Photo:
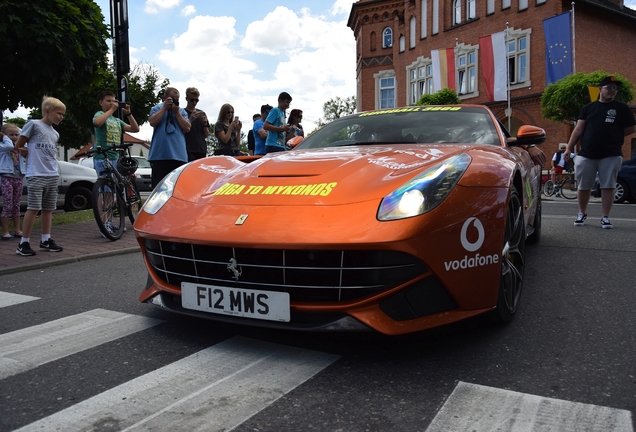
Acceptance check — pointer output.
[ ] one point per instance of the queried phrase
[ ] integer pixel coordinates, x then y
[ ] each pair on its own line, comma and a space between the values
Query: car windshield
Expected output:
142, 162
422, 125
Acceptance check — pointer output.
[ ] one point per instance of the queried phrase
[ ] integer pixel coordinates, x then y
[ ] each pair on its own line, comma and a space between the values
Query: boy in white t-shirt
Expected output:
41, 173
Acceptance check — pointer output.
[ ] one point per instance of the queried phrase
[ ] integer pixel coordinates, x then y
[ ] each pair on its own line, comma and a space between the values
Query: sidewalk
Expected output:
81, 241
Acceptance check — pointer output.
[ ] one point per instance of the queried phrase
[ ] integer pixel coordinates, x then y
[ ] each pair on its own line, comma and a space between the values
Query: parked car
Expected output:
398, 221
75, 187
142, 175
625, 183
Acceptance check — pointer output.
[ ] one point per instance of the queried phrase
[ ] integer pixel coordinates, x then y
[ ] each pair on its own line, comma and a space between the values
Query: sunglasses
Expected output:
193, 100
611, 87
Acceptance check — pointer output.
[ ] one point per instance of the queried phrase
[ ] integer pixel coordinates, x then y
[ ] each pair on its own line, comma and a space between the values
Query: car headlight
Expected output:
424, 192
162, 192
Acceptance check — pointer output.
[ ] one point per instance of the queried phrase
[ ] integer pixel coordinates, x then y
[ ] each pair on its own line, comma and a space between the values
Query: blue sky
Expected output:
245, 53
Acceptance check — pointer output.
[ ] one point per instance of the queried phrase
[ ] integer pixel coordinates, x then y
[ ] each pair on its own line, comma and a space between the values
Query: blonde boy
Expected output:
41, 173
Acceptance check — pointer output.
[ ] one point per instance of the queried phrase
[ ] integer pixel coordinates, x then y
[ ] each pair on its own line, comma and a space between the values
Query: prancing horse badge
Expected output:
241, 219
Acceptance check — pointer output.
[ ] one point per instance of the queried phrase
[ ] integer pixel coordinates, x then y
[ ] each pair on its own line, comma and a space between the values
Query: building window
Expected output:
470, 9
387, 38
402, 43
372, 40
466, 64
518, 52
420, 75
386, 89
540, 1
523, 5
490, 7
423, 21
457, 12
435, 29
412, 31
505, 4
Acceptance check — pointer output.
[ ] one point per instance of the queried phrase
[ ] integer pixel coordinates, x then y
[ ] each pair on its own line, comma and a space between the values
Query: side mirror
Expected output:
528, 135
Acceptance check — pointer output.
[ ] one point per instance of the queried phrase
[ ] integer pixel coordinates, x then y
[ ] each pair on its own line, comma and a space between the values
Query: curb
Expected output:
56, 262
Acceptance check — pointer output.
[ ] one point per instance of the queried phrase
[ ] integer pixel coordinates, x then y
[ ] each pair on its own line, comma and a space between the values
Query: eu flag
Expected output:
558, 47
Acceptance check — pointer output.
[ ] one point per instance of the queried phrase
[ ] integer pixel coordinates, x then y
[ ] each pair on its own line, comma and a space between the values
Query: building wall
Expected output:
593, 26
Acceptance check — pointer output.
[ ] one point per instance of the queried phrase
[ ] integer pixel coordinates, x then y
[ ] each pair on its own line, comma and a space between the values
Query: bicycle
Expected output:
567, 187
110, 209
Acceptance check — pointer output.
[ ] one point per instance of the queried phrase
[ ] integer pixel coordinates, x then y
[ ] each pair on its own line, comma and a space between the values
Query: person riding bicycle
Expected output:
108, 129
558, 163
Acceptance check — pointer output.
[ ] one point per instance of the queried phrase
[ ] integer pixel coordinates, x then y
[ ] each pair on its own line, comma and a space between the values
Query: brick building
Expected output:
394, 40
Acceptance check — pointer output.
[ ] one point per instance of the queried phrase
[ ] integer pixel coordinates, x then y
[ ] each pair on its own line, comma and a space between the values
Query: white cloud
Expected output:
306, 55
630, 4
155, 6
341, 7
188, 10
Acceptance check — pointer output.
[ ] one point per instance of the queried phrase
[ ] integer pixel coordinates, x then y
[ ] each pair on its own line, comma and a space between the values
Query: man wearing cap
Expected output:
602, 128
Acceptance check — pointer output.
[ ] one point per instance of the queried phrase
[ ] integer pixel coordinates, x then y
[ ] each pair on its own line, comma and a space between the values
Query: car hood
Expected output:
329, 176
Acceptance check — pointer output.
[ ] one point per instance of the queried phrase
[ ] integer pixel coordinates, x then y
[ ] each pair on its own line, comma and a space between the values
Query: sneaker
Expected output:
606, 223
24, 249
580, 219
50, 246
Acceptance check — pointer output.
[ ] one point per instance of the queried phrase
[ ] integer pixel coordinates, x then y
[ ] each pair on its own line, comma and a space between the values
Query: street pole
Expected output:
121, 60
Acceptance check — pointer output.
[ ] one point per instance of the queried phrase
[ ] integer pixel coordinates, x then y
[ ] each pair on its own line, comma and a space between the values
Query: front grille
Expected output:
307, 275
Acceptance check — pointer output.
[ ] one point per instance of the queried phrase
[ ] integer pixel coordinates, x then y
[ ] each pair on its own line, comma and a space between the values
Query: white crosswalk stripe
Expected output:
213, 390
10, 299
473, 407
25, 349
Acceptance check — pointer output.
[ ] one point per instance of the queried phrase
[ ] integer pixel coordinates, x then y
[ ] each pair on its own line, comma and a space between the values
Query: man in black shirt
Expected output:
602, 128
195, 139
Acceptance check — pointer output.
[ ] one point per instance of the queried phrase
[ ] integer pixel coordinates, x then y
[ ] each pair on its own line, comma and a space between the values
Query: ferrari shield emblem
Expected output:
241, 219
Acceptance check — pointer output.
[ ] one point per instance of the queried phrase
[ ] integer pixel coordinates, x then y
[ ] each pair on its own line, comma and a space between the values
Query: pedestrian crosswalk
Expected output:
219, 387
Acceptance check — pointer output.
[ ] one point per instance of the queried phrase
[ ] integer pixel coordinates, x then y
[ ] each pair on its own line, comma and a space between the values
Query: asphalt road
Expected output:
573, 342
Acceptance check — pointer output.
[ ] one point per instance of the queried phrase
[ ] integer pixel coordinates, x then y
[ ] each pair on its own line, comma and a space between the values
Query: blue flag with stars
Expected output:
558, 47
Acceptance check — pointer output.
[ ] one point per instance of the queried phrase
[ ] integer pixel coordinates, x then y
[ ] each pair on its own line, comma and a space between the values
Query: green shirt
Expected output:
108, 135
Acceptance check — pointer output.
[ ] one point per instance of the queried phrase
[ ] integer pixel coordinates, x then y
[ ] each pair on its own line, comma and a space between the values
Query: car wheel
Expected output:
78, 198
621, 192
513, 258
536, 234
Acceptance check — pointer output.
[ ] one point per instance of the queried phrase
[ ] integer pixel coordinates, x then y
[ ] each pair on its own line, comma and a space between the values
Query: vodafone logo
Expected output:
476, 260
472, 247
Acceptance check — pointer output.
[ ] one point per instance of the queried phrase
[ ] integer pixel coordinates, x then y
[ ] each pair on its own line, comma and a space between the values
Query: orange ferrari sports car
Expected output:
397, 221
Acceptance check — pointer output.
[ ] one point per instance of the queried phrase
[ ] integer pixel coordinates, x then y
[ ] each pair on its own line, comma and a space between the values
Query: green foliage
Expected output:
18, 121
336, 108
443, 97
49, 47
562, 100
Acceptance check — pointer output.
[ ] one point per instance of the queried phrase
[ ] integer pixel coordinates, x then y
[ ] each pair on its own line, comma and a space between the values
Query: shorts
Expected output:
558, 169
607, 168
42, 193
100, 166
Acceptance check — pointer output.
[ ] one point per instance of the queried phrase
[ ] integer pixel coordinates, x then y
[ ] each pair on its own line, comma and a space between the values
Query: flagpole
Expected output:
509, 110
573, 32
456, 51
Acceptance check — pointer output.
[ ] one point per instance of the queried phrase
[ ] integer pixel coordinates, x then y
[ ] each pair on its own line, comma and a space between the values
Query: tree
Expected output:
336, 108
144, 86
443, 97
49, 47
18, 121
562, 100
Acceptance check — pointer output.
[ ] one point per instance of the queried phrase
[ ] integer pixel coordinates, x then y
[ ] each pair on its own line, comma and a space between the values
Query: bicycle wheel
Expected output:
548, 188
569, 188
133, 198
108, 209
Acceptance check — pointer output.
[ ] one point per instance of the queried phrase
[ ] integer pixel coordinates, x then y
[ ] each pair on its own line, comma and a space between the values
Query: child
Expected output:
10, 180
41, 173
276, 125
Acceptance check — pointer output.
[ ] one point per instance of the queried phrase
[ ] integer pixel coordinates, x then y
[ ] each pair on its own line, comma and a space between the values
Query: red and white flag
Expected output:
443, 69
493, 65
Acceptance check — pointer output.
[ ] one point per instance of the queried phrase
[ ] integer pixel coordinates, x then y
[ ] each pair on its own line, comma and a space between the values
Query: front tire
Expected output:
108, 208
77, 198
548, 188
569, 189
621, 192
513, 258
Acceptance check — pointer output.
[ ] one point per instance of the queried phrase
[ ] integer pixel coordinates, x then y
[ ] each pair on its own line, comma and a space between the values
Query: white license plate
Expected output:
265, 305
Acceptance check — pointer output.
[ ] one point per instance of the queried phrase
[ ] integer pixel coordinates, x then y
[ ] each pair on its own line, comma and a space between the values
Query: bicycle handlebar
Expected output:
99, 150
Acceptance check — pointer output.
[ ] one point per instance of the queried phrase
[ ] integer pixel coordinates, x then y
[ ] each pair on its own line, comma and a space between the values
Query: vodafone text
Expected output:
474, 261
